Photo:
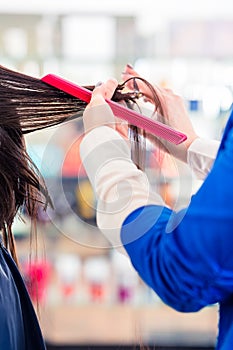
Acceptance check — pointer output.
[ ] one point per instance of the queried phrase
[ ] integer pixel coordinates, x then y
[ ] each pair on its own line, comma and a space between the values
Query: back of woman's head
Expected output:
20, 183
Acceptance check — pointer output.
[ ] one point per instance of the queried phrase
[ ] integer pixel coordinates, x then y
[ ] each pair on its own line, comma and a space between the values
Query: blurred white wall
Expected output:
157, 9
186, 45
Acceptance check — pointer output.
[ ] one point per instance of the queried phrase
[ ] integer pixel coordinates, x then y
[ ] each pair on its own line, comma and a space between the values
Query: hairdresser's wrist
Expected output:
178, 151
185, 147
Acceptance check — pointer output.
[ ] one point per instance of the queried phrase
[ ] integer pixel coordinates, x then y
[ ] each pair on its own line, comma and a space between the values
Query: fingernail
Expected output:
129, 65
124, 73
98, 84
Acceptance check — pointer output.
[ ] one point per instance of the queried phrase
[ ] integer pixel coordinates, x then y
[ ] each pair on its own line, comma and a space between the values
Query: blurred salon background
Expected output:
89, 296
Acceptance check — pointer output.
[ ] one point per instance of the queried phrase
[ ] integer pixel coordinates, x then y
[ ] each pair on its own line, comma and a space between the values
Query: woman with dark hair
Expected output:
27, 105
19, 185
185, 256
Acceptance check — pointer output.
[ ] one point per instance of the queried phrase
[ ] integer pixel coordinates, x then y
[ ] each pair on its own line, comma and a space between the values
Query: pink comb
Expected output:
152, 126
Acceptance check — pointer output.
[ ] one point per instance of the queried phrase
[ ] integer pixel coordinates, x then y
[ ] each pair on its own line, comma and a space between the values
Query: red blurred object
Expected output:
37, 275
72, 165
96, 291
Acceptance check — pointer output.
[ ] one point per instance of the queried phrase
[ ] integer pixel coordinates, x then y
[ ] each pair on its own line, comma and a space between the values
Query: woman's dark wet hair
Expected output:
26, 105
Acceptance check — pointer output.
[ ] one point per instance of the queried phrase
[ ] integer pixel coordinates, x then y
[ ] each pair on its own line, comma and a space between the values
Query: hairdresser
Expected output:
185, 256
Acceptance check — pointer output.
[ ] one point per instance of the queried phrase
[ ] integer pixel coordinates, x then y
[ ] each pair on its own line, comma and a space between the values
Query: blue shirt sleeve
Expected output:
186, 257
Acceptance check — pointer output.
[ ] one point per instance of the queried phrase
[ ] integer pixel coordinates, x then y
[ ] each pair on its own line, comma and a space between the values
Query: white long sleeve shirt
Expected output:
119, 186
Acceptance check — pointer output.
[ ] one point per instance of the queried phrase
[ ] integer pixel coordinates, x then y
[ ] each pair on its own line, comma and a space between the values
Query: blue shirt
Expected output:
187, 257
19, 328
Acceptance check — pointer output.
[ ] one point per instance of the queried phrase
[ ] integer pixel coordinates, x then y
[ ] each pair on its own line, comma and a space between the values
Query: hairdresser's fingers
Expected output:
110, 87
97, 97
173, 107
103, 91
98, 112
128, 73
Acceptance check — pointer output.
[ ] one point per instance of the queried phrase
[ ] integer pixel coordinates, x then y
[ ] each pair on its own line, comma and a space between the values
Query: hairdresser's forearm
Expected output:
120, 187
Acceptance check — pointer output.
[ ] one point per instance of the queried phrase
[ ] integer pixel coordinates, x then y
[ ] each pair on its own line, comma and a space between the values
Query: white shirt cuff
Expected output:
201, 155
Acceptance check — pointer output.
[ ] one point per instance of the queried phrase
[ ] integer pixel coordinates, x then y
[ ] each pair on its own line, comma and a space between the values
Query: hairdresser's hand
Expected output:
98, 112
175, 113
128, 73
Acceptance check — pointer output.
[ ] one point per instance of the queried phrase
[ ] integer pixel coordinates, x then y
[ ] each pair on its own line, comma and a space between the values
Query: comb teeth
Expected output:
152, 126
